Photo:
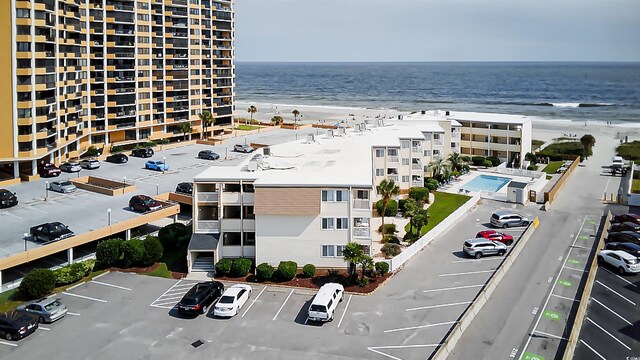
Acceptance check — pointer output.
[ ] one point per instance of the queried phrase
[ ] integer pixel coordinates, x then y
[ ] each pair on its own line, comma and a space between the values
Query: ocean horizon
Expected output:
578, 91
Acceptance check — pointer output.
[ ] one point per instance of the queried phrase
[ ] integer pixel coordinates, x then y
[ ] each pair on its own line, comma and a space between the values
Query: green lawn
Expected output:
443, 205
247, 127
161, 271
552, 167
635, 186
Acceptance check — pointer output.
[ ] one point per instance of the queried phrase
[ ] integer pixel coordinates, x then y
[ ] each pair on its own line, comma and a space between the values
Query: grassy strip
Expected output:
247, 127
443, 205
162, 271
635, 186
552, 167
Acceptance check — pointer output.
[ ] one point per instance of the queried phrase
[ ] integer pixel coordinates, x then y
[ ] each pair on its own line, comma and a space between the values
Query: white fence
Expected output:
399, 260
519, 172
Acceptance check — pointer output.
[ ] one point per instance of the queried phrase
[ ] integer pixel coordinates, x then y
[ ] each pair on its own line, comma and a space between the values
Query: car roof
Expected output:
635, 216
631, 224
631, 245
235, 289
632, 233
487, 232
478, 241
505, 212
622, 254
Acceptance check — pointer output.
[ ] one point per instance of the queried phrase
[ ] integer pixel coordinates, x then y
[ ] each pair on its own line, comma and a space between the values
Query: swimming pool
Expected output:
486, 183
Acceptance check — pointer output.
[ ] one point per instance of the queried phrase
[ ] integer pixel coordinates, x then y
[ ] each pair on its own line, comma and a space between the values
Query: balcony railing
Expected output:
207, 197
207, 225
362, 231
393, 177
393, 159
417, 167
361, 204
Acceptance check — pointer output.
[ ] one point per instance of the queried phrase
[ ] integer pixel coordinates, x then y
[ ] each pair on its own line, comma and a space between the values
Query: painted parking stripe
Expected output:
615, 292
620, 277
564, 297
44, 328
171, 288
165, 303
376, 349
550, 335
454, 288
477, 260
285, 301
101, 275
468, 273
421, 326
111, 285
439, 306
614, 313
85, 297
574, 269
592, 349
168, 298
608, 333
254, 301
580, 247
73, 314
75, 286
8, 344
345, 310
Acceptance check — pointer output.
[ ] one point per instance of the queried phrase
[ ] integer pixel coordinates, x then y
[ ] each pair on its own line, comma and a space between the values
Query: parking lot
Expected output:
134, 316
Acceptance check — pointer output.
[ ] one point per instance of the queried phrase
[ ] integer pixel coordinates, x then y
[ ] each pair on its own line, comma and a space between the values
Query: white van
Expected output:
325, 302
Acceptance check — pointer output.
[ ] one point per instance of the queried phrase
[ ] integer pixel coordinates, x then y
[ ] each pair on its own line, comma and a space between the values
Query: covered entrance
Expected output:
202, 253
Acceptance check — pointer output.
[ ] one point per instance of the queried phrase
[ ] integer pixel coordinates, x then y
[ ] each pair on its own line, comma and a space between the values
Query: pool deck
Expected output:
455, 186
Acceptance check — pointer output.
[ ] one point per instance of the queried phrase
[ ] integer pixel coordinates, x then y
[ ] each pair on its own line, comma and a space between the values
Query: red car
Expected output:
496, 236
634, 218
48, 170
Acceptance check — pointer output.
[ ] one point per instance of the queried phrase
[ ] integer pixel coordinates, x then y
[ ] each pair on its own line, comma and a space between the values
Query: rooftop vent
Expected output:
253, 165
330, 134
379, 122
342, 131
446, 113
311, 138
266, 151
400, 117
423, 112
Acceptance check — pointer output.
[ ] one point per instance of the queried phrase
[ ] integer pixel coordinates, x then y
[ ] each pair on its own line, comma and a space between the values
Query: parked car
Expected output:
620, 218
232, 300
242, 148
46, 310
630, 248
71, 167
506, 219
623, 236
50, 232
480, 247
17, 325
118, 158
208, 155
625, 226
90, 164
48, 170
157, 165
64, 187
624, 262
143, 152
7, 199
185, 188
144, 203
325, 302
200, 297
496, 236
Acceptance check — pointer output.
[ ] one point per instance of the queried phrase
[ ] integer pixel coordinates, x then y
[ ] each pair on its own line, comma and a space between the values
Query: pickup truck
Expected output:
50, 232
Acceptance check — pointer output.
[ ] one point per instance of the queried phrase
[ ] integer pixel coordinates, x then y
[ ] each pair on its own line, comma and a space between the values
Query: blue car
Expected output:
157, 165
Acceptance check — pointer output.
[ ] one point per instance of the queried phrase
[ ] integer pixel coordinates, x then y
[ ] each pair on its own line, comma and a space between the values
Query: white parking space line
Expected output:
580, 247
73, 314
592, 349
421, 326
376, 350
476, 260
101, 275
85, 297
15, 216
614, 313
345, 310
8, 344
615, 292
254, 301
167, 298
608, 333
285, 301
564, 297
43, 328
620, 277
454, 288
468, 273
439, 306
75, 286
111, 285
550, 335
574, 269
164, 304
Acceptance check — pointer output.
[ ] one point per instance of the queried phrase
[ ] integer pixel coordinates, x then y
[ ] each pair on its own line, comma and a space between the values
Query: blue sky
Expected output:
438, 30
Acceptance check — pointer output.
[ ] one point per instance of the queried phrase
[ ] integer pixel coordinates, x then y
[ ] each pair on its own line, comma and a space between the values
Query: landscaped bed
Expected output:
443, 205
635, 186
552, 167
247, 127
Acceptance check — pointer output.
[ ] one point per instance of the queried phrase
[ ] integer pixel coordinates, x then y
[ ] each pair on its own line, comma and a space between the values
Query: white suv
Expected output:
624, 262
325, 302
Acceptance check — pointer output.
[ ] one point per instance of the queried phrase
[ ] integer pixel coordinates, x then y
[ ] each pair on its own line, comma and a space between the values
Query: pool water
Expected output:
486, 183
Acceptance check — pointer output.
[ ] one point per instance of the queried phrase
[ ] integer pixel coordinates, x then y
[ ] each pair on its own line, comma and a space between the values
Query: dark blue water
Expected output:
575, 91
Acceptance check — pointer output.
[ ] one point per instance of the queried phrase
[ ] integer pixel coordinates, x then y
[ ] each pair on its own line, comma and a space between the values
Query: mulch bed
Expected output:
144, 270
317, 281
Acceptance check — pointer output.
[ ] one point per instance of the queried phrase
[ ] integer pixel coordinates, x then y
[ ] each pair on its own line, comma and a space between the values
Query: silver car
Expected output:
480, 247
90, 164
64, 187
504, 219
242, 148
46, 310
71, 167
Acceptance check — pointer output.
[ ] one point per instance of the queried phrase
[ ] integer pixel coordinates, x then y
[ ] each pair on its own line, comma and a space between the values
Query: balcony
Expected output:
207, 197
394, 178
362, 231
207, 226
393, 159
418, 167
416, 183
362, 204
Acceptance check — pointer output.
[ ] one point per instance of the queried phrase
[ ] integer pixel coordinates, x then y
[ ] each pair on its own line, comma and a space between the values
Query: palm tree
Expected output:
588, 141
436, 167
277, 120
185, 128
206, 119
252, 110
295, 113
455, 161
420, 219
410, 211
353, 254
386, 189
366, 263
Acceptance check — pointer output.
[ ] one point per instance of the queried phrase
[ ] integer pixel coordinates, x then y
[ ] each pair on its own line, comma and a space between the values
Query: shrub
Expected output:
223, 267
309, 270
287, 270
532, 158
531, 167
382, 267
410, 237
390, 239
37, 283
432, 184
88, 266
391, 250
466, 167
487, 163
478, 160
108, 252
240, 267
174, 236
392, 208
70, 273
116, 149
419, 194
494, 160
401, 207
93, 151
132, 253
153, 250
389, 229
264, 271
363, 282
465, 158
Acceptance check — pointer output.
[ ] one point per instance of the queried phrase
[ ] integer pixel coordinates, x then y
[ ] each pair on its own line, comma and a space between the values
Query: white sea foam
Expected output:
566, 105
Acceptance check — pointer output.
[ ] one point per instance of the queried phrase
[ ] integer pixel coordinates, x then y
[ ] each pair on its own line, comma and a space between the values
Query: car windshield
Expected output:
58, 227
226, 299
495, 216
467, 244
5, 193
53, 305
318, 308
66, 183
149, 202
49, 166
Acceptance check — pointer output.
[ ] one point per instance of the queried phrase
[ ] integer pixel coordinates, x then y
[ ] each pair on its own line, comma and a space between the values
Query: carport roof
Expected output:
517, 185
204, 242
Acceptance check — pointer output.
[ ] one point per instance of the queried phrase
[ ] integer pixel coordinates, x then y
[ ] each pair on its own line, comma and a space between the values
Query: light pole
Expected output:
124, 183
46, 191
109, 216
26, 236
164, 164
157, 189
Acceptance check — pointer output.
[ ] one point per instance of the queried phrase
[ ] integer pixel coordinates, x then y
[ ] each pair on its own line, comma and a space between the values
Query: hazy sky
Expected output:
438, 30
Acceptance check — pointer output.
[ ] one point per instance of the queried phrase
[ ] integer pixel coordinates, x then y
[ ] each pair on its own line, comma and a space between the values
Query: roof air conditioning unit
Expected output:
330, 133
379, 123
400, 117
311, 138
363, 127
253, 165
342, 131
368, 121
266, 151
446, 113
423, 112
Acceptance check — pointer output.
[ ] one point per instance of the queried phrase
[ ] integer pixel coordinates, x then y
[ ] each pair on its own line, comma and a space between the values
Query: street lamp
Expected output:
164, 164
124, 182
109, 216
26, 236
157, 189
46, 190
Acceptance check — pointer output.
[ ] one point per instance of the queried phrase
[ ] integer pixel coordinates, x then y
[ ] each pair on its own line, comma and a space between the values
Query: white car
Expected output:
90, 164
232, 300
71, 167
64, 187
242, 148
623, 261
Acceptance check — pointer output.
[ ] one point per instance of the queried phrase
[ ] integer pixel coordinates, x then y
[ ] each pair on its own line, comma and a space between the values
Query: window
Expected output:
405, 161
23, 13
436, 152
328, 250
362, 194
379, 153
328, 195
340, 250
342, 223
231, 239
427, 153
436, 136
328, 224
249, 239
379, 172
404, 144
342, 195
392, 152
335, 195
405, 178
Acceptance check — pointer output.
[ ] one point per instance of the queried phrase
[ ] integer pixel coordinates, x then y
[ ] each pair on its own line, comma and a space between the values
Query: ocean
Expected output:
574, 91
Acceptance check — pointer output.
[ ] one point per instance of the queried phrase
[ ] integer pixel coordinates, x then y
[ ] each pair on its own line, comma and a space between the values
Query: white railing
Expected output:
417, 183
399, 260
207, 197
416, 150
417, 167
393, 159
392, 177
361, 204
207, 225
364, 232
519, 172
493, 195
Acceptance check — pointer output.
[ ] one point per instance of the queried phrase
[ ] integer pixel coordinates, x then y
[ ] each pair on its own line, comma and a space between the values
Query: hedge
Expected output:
431, 184
309, 270
419, 194
389, 229
392, 208
264, 271
478, 160
108, 252
391, 250
287, 270
465, 158
153, 250
223, 267
382, 267
174, 236
132, 253
487, 163
71, 273
240, 267
494, 160
37, 283
391, 239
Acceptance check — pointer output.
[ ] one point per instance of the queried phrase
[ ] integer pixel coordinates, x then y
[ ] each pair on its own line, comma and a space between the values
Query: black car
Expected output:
200, 297
144, 203
208, 155
630, 248
49, 232
624, 236
7, 198
16, 325
625, 226
118, 158
185, 188
143, 152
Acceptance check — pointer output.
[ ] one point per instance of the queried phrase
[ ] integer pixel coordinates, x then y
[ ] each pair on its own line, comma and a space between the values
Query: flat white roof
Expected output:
488, 117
